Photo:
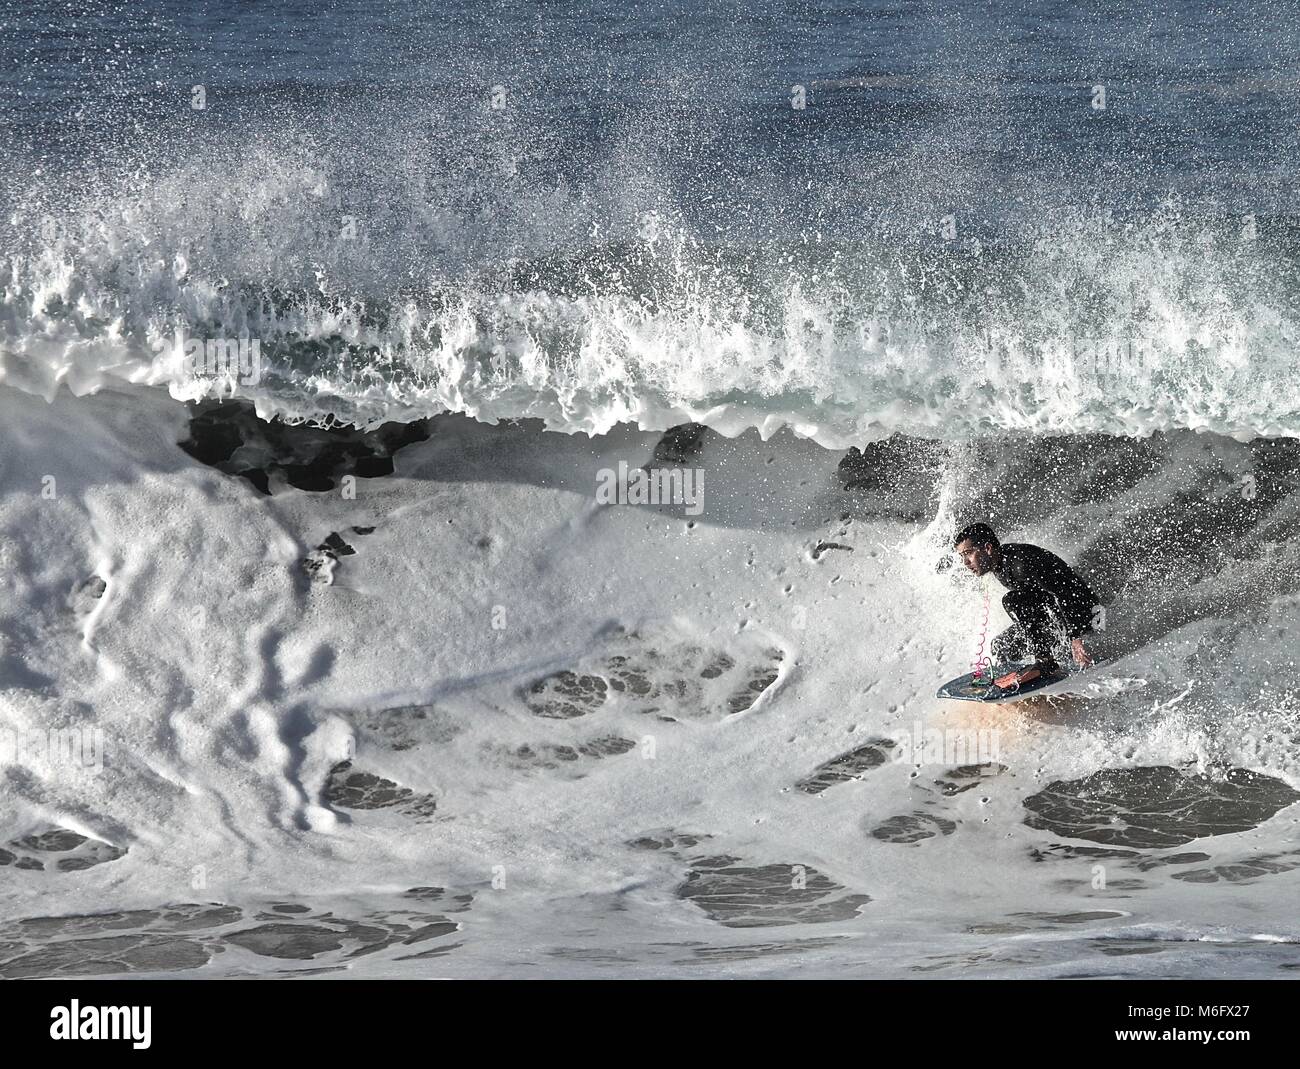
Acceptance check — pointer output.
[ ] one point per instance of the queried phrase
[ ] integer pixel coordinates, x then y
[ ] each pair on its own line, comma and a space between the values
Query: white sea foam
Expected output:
237, 686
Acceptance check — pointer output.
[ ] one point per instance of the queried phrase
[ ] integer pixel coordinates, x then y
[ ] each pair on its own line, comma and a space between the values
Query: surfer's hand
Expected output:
1081, 656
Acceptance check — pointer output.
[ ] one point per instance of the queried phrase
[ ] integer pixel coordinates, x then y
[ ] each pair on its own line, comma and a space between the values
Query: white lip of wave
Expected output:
586, 364
598, 396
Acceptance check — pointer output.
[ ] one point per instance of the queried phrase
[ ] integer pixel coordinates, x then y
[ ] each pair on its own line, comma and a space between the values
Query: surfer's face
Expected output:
979, 559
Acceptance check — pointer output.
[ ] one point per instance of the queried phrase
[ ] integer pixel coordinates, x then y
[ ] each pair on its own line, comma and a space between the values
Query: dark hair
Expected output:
979, 533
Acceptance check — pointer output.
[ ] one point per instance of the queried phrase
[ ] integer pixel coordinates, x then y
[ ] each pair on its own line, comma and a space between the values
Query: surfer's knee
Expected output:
1014, 602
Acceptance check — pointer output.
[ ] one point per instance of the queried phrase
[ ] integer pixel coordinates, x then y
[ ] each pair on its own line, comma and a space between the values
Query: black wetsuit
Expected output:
1045, 600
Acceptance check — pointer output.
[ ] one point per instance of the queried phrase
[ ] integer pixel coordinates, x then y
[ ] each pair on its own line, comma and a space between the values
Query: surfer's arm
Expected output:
1075, 603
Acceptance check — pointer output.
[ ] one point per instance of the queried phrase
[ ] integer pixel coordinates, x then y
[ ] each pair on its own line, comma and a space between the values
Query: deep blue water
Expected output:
974, 104
901, 169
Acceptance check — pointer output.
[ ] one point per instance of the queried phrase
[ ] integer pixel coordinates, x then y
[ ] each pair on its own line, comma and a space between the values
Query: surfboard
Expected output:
965, 688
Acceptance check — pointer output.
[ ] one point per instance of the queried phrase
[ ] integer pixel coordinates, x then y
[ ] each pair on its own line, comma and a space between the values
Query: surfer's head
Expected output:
977, 546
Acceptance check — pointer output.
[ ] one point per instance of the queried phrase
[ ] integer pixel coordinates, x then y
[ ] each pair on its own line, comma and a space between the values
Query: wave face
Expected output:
730, 219
695, 748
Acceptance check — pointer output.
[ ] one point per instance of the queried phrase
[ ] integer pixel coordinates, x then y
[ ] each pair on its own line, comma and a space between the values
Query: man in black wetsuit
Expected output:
1045, 598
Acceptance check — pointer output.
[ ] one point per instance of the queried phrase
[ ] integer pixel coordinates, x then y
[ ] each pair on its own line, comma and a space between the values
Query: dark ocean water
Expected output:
1199, 99
733, 212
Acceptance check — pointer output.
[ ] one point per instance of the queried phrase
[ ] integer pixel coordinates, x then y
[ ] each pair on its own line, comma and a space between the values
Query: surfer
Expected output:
1045, 599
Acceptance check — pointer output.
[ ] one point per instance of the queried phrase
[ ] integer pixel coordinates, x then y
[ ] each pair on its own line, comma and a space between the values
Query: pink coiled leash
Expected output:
982, 666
